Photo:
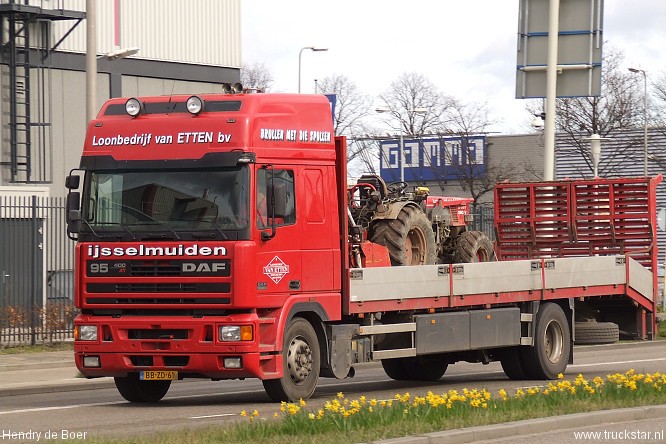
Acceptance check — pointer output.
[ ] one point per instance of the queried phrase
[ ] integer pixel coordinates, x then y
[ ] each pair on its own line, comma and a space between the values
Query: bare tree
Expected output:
256, 76
351, 109
618, 108
467, 163
406, 97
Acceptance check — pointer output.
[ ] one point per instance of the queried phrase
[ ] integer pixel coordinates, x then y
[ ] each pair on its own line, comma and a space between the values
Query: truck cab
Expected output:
204, 224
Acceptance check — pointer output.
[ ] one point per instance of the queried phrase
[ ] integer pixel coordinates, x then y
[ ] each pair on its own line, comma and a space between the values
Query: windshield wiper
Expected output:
121, 225
217, 226
134, 212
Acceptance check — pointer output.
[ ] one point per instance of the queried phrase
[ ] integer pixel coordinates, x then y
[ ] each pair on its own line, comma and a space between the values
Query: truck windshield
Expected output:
176, 203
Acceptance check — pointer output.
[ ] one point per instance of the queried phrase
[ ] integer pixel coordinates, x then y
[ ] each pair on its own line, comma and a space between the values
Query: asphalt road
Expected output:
193, 403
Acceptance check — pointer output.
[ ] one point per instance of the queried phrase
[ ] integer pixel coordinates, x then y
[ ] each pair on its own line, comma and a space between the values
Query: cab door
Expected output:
279, 254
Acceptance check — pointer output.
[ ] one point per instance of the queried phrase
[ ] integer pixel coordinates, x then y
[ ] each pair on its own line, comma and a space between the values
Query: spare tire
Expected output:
473, 246
596, 333
409, 237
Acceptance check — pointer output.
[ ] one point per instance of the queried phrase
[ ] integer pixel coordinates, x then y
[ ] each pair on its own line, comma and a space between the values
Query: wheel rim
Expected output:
415, 247
553, 342
299, 360
482, 255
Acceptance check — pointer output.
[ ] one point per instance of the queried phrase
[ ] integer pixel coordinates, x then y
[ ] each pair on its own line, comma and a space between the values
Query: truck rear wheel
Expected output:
473, 246
396, 369
409, 237
301, 363
133, 389
427, 368
419, 368
512, 364
549, 355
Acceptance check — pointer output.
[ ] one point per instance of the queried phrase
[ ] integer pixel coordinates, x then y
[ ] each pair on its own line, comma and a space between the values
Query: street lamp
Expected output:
645, 119
91, 59
300, 53
595, 150
120, 53
383, 109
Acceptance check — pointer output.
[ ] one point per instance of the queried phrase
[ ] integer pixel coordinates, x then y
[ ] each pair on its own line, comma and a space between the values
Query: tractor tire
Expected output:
133, 389
409, 238
473, 246
596, 333
301, 364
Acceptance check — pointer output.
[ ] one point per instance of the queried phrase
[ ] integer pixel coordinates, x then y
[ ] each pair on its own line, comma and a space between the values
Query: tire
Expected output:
419, 368
135, 390
301, 364
426, 368
409, 238
513, 365
596, 333
473, 246
396, 369
549, 355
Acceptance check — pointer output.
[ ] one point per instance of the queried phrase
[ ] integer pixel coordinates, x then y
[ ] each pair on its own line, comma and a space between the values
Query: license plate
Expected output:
158, 375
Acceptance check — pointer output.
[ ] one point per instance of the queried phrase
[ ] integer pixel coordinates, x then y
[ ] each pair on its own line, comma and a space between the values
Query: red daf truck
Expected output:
218, 238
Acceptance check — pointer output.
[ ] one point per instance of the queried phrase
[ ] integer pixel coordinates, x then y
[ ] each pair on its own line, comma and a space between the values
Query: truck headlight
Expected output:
85, 333
235, 333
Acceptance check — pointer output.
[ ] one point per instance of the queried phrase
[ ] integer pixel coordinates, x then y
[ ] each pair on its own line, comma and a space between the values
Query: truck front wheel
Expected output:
301, 363
135, 390
552, 344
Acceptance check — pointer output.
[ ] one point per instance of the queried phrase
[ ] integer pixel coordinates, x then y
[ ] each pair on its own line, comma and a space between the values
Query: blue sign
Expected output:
429, 159
333, 99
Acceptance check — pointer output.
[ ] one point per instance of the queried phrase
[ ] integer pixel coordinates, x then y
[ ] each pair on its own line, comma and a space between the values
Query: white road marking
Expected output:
637, 361
213, 416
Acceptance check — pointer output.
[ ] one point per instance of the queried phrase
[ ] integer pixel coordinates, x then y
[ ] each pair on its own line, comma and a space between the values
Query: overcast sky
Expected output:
466, 48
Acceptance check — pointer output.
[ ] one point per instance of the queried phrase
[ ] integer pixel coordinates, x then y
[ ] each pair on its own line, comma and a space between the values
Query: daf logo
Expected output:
203, 267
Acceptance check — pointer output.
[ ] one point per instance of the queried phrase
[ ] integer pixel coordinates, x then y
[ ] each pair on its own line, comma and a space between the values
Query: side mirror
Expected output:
72, 182
73, 212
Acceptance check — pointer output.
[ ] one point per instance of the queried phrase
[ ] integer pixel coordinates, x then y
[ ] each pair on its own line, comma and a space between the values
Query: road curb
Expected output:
69, 385
532, 426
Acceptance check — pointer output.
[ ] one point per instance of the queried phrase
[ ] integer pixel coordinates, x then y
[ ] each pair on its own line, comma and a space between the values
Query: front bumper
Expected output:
188, 345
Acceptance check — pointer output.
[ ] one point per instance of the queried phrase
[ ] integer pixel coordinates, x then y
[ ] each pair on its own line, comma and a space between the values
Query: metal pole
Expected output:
300, 53
402, 158
91, 60
645, 126
551, 91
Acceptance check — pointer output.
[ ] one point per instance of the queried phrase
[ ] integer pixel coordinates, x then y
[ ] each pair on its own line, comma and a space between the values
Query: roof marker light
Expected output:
195, 105
134, 107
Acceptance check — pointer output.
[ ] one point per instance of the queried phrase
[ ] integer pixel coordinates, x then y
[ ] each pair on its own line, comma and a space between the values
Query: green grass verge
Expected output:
661, 328
370, 419
56, 346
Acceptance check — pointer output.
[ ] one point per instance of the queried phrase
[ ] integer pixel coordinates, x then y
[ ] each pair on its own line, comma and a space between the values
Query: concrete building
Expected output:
185, 48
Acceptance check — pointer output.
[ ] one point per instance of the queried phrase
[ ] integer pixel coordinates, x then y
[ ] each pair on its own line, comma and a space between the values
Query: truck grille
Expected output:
157, 301
158, 268
158, 287
154, 268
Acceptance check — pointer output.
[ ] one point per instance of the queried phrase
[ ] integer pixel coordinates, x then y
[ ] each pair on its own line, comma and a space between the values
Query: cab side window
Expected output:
276, 201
